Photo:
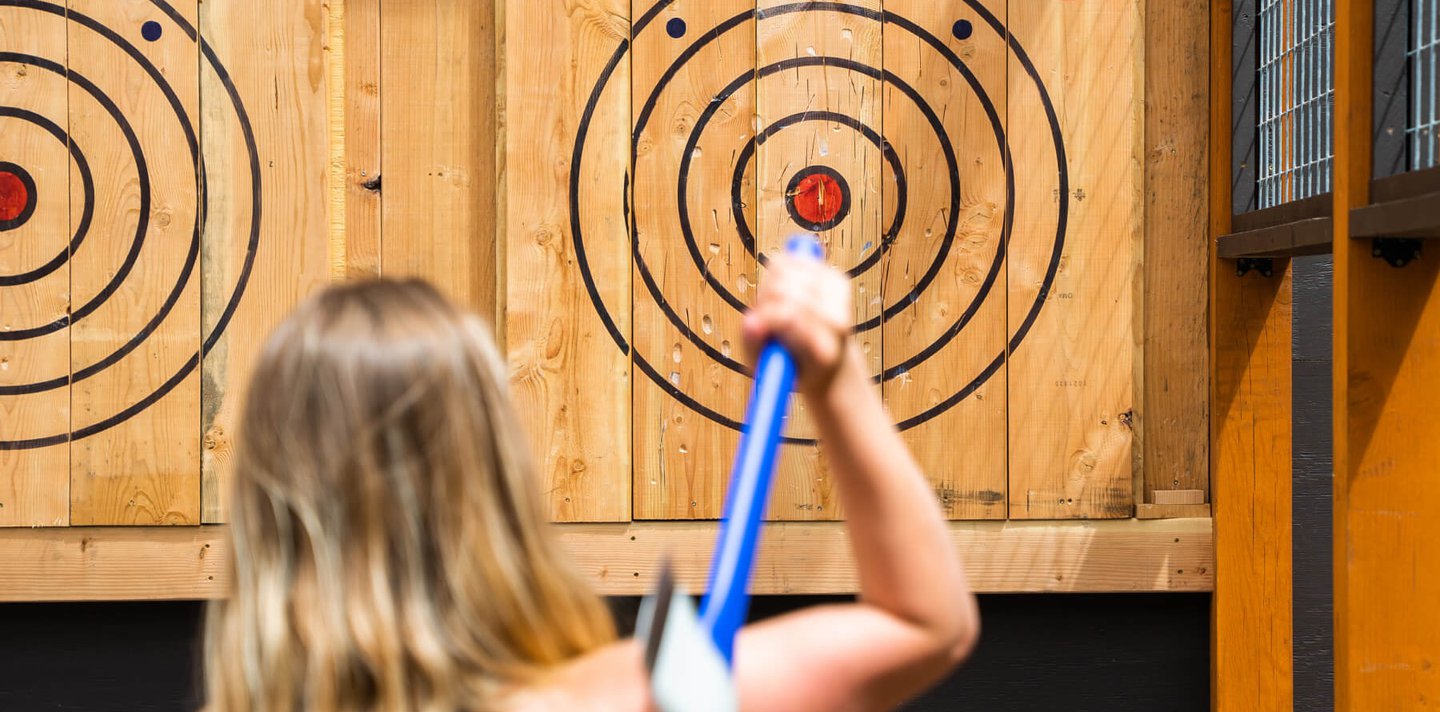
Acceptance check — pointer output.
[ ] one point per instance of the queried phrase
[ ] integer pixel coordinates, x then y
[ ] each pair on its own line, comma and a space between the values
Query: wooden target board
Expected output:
973, 166
150, 235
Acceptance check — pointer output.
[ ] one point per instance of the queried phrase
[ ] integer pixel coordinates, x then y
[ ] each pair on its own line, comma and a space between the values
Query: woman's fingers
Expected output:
753, 330
807, 307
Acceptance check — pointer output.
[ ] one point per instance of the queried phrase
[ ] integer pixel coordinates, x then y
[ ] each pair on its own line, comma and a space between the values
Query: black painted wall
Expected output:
1038, 652
1313, 480
105, 657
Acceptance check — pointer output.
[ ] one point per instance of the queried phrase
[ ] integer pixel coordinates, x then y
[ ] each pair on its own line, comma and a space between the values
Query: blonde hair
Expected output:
390, 546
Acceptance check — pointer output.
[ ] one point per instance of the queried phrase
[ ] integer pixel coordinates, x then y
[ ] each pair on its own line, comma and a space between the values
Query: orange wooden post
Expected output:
1387, 436
1251, 660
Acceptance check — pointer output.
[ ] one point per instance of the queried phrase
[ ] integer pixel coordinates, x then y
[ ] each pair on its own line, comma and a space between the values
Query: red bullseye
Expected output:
15, 196
818, 198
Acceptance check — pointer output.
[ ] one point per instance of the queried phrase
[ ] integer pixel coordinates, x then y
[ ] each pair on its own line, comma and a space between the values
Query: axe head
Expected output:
687, 671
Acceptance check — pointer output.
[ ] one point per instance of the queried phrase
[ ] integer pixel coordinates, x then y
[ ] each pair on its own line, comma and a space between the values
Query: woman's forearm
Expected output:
907, 564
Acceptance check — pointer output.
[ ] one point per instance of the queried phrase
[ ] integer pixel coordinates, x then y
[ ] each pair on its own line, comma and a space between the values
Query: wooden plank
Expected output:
1182, 496
1173, 415
353, 60
1296, 239
257, 267
1172, 511
1072, 380
1405, 185
335, 129
803, 558
682, 457
1316, 206
1250, 644
502, 198
827, 52
1411, 217
1387, 441
958, 389
624, 559
570, 382
1250, 480
36, 214
141, 469
437, 142
113, 563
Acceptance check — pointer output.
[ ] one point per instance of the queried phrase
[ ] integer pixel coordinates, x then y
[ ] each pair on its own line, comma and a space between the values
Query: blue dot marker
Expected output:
962, 29
675, 28
151, 31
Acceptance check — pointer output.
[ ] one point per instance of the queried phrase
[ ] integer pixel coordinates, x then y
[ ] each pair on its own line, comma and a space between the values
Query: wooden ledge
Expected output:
1315, 206
1001, 557
1311, 236
112, 563
1413, 217
176, 563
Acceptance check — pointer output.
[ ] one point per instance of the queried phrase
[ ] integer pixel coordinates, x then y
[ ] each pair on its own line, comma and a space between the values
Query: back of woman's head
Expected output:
390, 550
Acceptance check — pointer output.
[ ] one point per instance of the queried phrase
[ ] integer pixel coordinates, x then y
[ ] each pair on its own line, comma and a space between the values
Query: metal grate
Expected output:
1297, 96
1424, 117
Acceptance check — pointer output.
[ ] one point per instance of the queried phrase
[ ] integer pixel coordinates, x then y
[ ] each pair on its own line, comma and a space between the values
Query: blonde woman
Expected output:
390, 550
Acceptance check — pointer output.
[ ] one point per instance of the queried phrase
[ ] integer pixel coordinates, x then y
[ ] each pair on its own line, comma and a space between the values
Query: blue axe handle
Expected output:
728, 599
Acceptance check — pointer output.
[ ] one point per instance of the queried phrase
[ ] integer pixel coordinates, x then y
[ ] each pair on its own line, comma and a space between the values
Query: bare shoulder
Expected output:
611, 679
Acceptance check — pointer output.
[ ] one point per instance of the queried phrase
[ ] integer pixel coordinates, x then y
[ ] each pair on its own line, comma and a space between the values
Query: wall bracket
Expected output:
1264, 265
1396, 251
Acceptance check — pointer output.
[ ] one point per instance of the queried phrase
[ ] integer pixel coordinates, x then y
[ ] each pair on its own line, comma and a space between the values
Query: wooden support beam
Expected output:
1387, 438
99, 563
1251, 661
1175, 364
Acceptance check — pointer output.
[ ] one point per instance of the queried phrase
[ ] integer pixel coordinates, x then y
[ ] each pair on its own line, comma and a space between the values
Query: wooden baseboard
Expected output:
160, 563
112, 563
1000, 557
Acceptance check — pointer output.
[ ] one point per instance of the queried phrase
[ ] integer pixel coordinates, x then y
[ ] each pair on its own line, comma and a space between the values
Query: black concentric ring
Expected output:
737, 206
746, 236
132, 255
793, 187
952, 167
192, 256
953, 214
1042, 294
87, 183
